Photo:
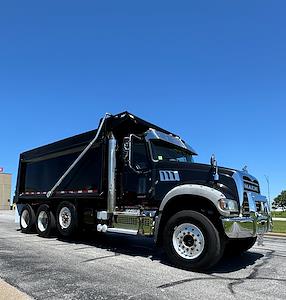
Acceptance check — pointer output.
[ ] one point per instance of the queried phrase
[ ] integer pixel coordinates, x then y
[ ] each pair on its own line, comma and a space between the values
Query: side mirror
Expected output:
213, 162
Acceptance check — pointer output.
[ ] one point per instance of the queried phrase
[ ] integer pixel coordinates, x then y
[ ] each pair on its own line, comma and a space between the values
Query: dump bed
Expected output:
40, 168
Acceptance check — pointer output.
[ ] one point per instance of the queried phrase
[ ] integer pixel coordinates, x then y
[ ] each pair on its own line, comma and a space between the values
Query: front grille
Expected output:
259, 207
251, 185
245, 205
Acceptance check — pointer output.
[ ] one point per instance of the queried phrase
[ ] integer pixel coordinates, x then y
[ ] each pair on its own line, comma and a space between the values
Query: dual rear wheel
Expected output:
45, 221
67, 219
27, 219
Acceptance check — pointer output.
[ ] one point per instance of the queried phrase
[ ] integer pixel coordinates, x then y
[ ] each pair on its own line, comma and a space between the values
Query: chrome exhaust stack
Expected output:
111, 195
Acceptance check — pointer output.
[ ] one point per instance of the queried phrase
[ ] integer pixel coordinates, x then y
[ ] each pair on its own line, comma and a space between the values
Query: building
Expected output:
5, 190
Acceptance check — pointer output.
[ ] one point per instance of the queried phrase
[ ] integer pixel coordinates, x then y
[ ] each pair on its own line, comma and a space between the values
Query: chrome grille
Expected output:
250, 185
245, 205
259, 207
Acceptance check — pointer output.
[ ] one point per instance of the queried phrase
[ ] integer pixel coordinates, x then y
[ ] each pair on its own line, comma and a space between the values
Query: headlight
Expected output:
228, 205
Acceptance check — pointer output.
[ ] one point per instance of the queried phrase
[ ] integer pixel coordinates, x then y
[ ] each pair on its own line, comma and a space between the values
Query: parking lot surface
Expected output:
125, 267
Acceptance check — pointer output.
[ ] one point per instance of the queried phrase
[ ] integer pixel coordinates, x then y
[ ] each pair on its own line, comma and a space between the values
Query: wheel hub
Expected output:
65, 217
43, 221
188, 241
25, 219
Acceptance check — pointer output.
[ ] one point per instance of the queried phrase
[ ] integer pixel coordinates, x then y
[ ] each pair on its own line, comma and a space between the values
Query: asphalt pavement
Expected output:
126, 267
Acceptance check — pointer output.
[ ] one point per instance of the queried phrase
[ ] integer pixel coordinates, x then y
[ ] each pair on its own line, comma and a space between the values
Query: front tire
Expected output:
191, 241
45, 221
67, 219
27, 219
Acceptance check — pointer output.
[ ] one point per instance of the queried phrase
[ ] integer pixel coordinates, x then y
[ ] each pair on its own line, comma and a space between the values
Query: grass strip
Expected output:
278, 214
279, 226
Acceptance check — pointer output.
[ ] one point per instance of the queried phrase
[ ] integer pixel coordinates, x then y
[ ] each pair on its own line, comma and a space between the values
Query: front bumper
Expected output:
258, 222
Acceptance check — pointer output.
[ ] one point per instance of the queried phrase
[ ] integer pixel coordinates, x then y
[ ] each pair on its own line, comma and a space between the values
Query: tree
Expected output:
280, 201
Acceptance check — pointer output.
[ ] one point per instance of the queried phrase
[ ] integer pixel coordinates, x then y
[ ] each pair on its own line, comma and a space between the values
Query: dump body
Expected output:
39, 169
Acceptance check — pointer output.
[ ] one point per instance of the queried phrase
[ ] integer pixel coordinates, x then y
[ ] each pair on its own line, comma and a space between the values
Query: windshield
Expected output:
165, 152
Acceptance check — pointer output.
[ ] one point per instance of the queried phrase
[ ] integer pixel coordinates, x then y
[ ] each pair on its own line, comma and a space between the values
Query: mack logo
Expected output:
251, 187
169, 176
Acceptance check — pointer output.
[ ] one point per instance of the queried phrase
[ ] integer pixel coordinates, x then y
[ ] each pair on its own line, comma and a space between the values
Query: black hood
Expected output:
203, 174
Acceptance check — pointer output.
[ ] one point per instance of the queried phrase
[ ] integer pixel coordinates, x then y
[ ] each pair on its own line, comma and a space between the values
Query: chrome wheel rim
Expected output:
65, 217
25, 218
43, 221
188, 241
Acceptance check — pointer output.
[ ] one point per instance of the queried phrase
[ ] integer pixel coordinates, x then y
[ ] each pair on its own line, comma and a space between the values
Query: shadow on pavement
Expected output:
234, 263
119, 244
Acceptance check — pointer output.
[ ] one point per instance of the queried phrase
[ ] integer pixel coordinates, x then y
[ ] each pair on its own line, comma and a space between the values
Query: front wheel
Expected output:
191, 241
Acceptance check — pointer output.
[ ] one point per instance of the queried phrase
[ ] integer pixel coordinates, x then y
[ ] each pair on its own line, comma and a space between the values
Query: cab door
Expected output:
136, 180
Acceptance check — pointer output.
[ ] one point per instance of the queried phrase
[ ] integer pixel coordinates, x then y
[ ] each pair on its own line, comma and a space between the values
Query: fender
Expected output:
187, 189
195, 190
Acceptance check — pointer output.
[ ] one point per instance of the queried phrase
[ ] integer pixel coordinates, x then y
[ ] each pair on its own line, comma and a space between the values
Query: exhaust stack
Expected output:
111, 196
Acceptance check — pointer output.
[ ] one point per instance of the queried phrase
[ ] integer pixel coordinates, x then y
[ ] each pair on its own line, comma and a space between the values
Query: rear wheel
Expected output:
27, 219
67, 219
45, 221
191, 241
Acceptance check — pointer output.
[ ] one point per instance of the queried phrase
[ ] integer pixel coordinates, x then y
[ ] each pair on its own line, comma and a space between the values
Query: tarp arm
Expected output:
50, 193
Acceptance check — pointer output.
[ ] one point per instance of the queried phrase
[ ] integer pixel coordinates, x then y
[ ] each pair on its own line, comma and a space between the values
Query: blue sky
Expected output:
212, 71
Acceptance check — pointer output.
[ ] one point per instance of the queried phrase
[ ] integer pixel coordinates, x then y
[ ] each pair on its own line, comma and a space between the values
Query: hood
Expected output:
202, 174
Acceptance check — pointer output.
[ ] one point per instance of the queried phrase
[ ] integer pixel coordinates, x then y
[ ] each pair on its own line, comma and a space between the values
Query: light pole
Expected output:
269, 201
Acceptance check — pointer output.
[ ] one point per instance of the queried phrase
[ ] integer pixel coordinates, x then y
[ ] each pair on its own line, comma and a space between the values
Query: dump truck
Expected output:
132, 177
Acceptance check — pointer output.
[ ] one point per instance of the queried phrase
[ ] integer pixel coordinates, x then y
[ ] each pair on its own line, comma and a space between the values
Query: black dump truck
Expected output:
132, 177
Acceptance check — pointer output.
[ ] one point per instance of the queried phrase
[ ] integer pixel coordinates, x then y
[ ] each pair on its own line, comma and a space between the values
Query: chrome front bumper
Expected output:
258, 222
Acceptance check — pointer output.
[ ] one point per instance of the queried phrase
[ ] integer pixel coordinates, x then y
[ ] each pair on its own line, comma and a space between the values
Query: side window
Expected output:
139, 155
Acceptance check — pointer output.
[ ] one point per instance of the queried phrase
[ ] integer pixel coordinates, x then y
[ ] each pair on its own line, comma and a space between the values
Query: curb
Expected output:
276, 234
279, 219
8, 292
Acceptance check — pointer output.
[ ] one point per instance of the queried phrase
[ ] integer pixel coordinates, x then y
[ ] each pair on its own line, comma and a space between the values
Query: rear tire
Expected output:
67, 219
45, 221
27, 219
191, 241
